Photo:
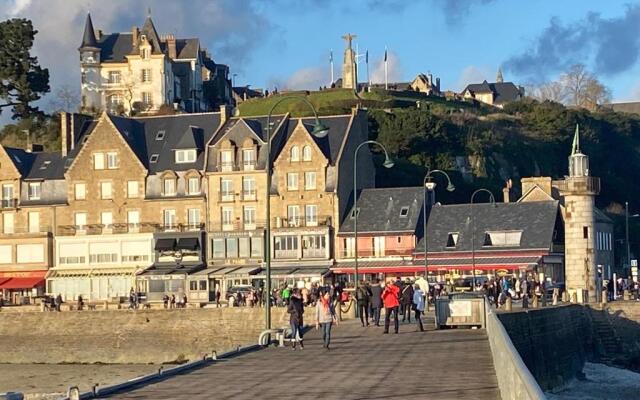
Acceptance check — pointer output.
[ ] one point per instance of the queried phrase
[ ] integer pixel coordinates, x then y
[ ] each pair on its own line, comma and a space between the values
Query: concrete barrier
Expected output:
514, 378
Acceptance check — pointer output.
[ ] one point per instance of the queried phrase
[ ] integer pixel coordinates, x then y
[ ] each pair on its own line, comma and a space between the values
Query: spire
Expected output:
89, 37
499, 77
575, 147
149, 29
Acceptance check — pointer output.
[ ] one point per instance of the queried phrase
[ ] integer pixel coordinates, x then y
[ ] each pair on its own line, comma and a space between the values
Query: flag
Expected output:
385, 55
366, 57
331, 56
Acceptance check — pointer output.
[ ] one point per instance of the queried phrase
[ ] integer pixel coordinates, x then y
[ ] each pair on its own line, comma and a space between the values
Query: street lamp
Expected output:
387, 164
429, 186
319, 130
473, 232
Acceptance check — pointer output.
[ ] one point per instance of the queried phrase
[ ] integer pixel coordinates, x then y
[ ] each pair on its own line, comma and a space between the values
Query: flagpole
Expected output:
368, 79
386, 70
331, 61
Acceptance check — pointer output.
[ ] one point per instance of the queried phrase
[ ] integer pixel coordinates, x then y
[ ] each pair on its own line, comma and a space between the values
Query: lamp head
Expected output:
450, 187
388, 163
320, 130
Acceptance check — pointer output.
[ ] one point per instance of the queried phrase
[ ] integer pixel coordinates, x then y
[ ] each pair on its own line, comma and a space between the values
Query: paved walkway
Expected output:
362, 364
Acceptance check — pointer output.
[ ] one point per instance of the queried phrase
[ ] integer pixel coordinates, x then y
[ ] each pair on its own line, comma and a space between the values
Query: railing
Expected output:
301, 222
248, 195
578, 184
314, 253
237, 225
101, 229
226, 166
374, 252
25, 230
9, 203
249, 165
286, 253
226, 196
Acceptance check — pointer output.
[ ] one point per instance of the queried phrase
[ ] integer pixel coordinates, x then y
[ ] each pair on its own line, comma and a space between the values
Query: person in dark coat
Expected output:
295, 310
376, 301
406, 301
58, 302
363, 294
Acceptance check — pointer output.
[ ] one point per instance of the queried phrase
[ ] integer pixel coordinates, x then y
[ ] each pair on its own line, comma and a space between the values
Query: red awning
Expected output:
432, 269
3, 280
22, 283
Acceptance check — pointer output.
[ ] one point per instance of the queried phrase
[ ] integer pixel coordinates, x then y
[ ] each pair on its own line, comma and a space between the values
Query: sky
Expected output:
286, 43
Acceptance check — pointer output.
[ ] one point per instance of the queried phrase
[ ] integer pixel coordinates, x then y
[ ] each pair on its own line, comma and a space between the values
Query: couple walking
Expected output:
391, 300
325, 317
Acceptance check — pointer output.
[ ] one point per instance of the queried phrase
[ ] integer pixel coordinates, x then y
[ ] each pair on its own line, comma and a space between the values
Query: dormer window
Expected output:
452, 239
355, 212
45, 164
153, 159
404, 212
249, 159
35, 188
294, 154
114, 77
502, 238
185, 156
169, 187
160, 135
306, 153
226, 160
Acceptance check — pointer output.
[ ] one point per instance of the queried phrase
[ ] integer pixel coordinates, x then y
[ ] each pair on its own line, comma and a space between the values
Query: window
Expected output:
34, 190
585, 232
193, 186
6, 254
378, 246
144, 53
115, 100
145, 75
114, 77
452, 239
147, 99
249, 188
243, 247
153, 159
160, 135
314, 246
185, 156
294, 154
169, 218
193, 217
227, 218
7, 195
133, 217
29, 253
103, 252
226, 160
309, 181
502, 238
80, 191
306, 153
292, 181
311, 215
34, 222
193, 285
132, 189
249, 159
232, 248
286, 246
7, 223
45, 164
80, 219
354, 213
226, 189
106, 218
112, 160
105, 190
169, 187
404, 212
256, 247
249, 218
293, 215
98, 161
217, 246
72, 253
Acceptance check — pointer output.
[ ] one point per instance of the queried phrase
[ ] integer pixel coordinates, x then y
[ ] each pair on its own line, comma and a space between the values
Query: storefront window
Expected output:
203, 285
256, 247
244, 247
232, 248
218, 248
193, 285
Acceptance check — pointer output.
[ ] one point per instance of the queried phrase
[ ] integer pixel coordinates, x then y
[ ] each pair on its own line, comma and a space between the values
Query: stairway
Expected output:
610, 346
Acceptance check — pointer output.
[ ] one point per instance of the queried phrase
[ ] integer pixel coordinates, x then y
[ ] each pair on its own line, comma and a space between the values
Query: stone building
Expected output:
495, 93
142, 71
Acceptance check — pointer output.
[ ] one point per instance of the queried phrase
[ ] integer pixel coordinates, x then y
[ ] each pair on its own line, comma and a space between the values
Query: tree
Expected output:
583, 89
22, 80
67, 99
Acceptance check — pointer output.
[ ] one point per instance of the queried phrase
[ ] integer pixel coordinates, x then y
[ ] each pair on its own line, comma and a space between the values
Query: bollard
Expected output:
73, 393
351, 314
507, 304
106, 305
338, 308
525, 301
214, 355
604, 296
94, 389
555, 296
574, 297
544, 299
160, 371
565, 297
536, 302
626, 295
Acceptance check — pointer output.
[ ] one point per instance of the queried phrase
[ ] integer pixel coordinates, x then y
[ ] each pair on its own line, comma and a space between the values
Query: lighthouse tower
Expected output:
579, 190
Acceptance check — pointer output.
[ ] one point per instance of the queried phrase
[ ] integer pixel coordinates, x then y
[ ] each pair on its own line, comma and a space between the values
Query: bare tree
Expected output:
67, 99
582, 88
553, 91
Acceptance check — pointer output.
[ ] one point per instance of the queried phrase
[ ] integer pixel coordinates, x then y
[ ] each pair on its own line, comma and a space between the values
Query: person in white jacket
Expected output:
418, 305
325, 317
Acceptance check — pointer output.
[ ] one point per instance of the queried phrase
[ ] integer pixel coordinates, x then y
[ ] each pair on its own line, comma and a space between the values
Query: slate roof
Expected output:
37, 165
115, 47
89, 36
331, 144
187, 48
380, 211
503, 91
536, 220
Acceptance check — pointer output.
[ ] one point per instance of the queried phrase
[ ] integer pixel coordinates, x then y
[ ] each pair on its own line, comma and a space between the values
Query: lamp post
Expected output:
473, 232
428, 187
387, 164
319, 130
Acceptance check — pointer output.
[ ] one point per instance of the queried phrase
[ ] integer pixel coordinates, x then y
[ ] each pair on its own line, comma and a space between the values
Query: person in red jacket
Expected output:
391, 305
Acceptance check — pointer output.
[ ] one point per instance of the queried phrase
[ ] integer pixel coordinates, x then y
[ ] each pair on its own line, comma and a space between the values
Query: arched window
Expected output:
306, 153
295, 153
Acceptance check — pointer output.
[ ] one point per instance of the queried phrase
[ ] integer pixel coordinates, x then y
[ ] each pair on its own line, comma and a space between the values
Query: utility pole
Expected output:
626, 218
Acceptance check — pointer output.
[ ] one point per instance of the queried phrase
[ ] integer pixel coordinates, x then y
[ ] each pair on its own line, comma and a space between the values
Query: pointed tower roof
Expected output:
89, 36
575, 147
152, 35
499, 77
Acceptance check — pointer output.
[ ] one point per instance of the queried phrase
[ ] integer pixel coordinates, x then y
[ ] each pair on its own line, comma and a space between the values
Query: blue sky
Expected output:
286, 43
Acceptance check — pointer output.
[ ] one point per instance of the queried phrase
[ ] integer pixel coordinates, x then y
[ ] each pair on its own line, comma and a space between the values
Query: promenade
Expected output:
362, 364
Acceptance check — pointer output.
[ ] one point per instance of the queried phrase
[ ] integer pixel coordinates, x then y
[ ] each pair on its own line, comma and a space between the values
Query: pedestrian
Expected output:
132, 299
418, 305
218, 297
58, 302
165, 301
362, 300
172, 301
80, 303
184, 300
376, 301
295, 310
286, 294
325, 317
407, 301
525, 292
391, 305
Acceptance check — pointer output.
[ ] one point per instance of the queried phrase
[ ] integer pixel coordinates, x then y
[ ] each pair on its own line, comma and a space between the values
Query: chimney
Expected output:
171, 46
64, 133
134, 35
505, 194
99, 35
438, 84
225, 112
36, 148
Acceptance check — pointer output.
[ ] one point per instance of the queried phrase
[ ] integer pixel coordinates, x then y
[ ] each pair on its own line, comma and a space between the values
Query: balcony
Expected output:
25, 230
286, 254
226, 197
8, 203
314, 253
301, 222
249, 165
249, 195
237, 225
114, 229
578, 185
227, 166
377, 252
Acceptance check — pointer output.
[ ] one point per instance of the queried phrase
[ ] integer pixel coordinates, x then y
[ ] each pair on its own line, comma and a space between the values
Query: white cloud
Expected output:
473, 74
308, 78
395, 73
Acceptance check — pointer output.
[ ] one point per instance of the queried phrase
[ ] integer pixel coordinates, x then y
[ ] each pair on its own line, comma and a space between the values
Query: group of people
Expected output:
397, 298
174, 301
519, 288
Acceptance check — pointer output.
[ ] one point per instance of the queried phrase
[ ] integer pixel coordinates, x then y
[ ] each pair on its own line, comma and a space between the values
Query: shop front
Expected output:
22, 287
93, 284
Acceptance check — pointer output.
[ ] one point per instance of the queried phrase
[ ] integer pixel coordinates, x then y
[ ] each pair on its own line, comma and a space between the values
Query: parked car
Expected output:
232, 293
